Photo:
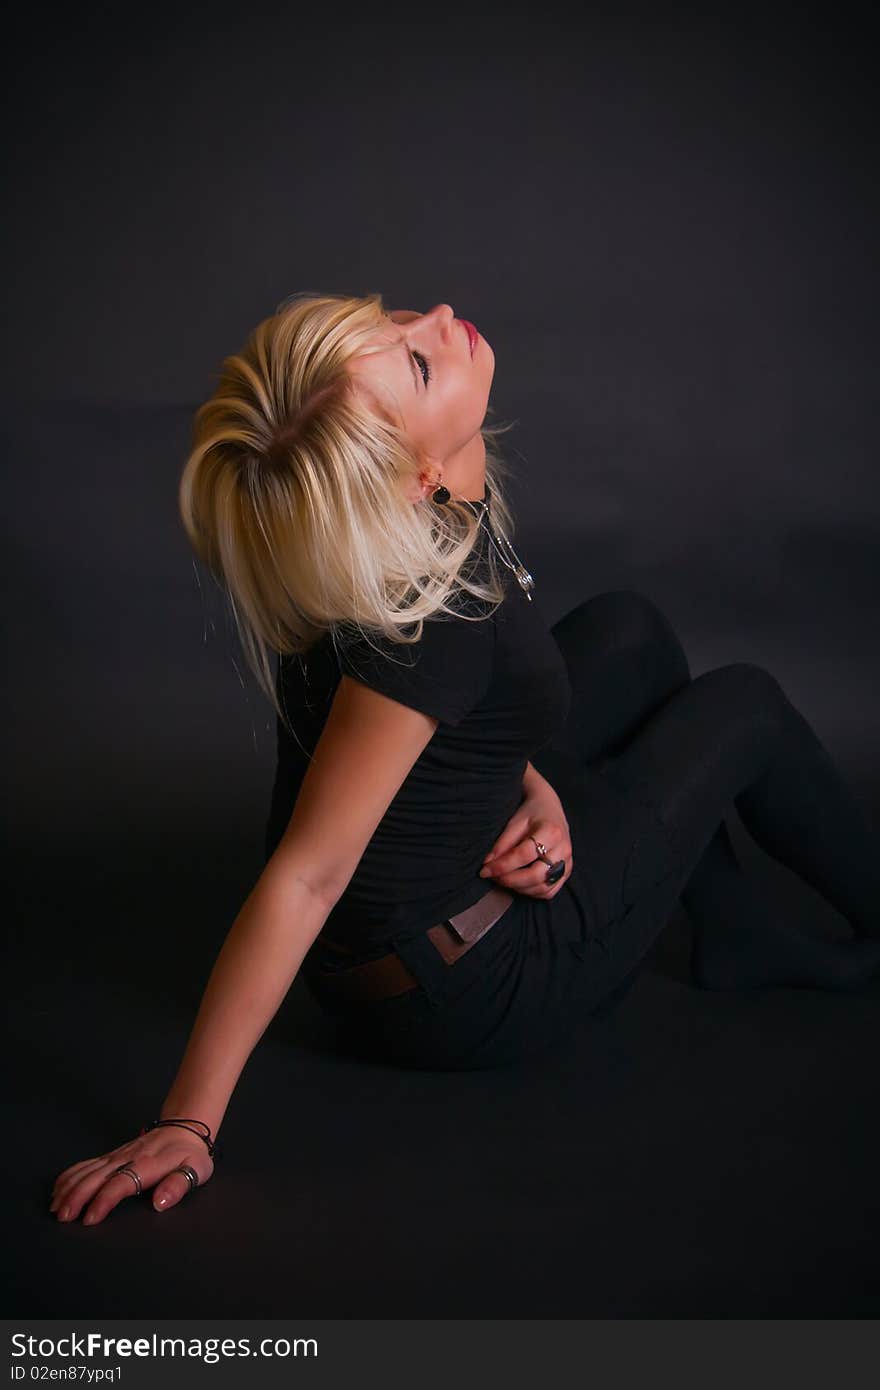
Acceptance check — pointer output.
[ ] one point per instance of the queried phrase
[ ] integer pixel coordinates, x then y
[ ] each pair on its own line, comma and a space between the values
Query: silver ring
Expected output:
190, 1174
130, 1172
542, 849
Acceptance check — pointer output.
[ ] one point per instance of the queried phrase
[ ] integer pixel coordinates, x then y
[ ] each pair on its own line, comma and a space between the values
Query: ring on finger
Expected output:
190, 1174
130, 1172
555, 872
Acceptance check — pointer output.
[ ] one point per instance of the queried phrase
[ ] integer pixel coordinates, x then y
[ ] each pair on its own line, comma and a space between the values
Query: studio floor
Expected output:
693, 1155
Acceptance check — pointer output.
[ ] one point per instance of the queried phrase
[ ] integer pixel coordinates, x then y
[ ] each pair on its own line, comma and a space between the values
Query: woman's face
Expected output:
426, 378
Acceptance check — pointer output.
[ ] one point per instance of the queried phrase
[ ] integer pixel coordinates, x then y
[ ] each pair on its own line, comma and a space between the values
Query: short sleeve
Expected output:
444, 674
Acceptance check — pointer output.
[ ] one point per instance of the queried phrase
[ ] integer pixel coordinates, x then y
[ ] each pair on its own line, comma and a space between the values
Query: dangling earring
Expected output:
441, 494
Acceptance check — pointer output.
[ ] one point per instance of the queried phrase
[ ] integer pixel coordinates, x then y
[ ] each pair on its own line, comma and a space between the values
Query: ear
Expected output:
417, 489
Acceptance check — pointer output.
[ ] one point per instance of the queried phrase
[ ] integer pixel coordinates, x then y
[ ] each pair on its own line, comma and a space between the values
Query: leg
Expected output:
625, 661
732, 734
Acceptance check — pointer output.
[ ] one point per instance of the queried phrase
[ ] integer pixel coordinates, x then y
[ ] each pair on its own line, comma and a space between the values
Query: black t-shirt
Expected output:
500, 689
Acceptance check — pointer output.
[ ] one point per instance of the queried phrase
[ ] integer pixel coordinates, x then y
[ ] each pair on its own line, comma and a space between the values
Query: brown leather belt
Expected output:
388, 975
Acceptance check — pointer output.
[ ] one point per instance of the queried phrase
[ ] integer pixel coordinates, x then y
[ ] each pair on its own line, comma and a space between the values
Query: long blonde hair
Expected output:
293, 495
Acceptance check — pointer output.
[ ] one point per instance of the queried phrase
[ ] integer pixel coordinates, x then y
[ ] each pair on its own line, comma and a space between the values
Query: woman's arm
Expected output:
254, 970
368, 745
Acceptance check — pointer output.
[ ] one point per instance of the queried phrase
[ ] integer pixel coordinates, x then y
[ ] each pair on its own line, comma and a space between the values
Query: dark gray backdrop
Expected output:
665, 224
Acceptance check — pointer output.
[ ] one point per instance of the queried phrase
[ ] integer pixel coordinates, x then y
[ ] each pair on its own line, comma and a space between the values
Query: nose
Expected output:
445, 316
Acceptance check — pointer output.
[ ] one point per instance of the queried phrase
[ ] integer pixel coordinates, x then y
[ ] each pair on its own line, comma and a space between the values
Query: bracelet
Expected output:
185, 1123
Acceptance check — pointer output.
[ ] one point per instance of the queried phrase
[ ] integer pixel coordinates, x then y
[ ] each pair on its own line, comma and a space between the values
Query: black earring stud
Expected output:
441, 494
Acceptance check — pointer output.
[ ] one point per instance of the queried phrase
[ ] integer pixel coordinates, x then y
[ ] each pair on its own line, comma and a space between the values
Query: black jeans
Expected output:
648, 765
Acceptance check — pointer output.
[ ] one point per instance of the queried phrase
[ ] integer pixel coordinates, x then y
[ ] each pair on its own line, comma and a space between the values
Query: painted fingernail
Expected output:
64, 1213
162, 1202
89, 1218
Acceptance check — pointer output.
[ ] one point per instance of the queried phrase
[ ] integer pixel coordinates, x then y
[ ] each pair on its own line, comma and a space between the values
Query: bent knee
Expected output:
628, 616
752, 684
752, 674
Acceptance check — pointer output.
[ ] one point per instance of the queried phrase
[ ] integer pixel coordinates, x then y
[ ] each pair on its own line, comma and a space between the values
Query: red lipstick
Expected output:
473, 335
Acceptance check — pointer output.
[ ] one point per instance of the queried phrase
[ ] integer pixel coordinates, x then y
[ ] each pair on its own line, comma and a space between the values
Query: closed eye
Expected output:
424, 366
421, 361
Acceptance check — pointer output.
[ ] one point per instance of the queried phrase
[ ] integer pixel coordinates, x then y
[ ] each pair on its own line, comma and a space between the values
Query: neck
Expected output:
464, 472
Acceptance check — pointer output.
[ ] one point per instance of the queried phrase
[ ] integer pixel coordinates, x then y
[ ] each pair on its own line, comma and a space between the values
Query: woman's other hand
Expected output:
512, 861
93, 1189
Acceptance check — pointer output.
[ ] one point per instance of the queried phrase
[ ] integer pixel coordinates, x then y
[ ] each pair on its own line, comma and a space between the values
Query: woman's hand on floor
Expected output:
512, 860
94, 1189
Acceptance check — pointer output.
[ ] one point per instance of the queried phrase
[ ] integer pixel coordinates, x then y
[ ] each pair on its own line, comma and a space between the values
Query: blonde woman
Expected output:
450, 903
